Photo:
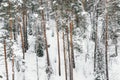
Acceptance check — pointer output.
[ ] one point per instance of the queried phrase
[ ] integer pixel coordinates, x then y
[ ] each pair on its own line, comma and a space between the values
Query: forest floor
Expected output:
82, 71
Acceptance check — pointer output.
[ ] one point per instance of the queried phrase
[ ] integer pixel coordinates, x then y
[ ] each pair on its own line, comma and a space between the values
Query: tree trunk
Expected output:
65, 63
116, 51
37, 67
106, 48
69, 56
6, 65
106, 42
95, 24
24, 30
12, 65
45, 37
59, 66
71, 43
10, 24
12, 51
22, 40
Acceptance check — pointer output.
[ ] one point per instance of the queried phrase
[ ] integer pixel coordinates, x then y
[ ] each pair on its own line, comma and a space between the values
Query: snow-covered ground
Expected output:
83, 70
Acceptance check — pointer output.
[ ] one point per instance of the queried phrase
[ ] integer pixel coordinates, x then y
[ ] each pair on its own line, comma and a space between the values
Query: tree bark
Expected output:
58, 45
10, 24
13, 65
71, 56
68, 46
6, 65
65, 63
22, 40
71, 43
106, 41
45, 38
106, 48
96, 42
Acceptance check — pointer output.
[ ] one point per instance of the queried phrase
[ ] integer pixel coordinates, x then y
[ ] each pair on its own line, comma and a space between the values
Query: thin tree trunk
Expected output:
71, 56
10, 23
24, 30
26, 18
45, 37
106, 42
65, 63
95, 50
12, 65
116, 51
95, 24
59, 66
8, 11
26, 36
68, 46
14, 32
12, 53
22, 40
37, 67
71, 43
106, 48
6, 65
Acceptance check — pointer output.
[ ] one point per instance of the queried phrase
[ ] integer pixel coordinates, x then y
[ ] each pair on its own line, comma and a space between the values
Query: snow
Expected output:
84, 61
5, 4
40, 8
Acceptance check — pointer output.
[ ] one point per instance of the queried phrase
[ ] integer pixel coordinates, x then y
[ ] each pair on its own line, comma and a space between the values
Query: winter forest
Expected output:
59, 39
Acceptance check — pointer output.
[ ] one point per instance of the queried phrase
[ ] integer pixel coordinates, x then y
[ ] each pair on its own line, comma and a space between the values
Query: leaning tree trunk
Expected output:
65, 63
58, 44
6, 65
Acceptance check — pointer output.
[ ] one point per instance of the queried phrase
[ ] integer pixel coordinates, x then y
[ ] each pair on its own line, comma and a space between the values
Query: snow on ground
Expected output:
83, 70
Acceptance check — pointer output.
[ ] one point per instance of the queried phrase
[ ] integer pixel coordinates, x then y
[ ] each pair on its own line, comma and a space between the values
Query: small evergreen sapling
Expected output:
40, 50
